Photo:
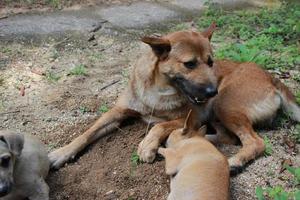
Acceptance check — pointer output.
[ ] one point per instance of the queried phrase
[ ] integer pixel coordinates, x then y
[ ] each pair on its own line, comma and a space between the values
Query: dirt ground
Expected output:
58, 106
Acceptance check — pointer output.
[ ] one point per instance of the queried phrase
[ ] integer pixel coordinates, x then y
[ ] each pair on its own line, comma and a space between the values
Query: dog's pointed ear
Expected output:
209, 31
14, 142
172, 160
202, 130
188, 124
160, 46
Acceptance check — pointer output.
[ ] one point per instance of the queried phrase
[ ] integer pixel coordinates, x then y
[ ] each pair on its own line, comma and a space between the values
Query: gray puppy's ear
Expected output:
14, 141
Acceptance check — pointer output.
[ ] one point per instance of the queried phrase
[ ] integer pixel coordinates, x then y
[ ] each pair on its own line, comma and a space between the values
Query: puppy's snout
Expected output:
210, 91
5, 188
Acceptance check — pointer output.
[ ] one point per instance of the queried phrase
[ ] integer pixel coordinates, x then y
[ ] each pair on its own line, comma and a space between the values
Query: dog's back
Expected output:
203, 172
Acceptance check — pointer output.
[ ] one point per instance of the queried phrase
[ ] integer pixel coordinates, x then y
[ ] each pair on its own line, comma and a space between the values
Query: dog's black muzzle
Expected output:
5, 188
196, 93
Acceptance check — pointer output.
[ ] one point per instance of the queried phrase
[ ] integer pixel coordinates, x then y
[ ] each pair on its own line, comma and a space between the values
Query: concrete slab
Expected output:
137, 15
44, 24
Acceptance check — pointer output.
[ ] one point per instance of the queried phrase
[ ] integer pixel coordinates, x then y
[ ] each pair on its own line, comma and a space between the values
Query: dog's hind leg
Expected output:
222, 135
149, 145
252, 144
105, 124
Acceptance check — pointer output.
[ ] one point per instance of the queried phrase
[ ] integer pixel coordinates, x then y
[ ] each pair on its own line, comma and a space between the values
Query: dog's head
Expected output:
186, 59
189, 130
11, 145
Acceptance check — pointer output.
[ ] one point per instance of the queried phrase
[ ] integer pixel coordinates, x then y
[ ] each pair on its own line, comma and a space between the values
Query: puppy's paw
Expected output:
236, 166
60, 157
147, 149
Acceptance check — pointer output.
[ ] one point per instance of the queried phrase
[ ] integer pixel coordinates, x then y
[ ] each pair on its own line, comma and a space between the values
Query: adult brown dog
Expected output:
180, 68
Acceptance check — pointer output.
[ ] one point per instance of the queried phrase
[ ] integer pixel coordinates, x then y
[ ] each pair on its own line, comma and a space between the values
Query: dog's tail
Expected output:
288, 100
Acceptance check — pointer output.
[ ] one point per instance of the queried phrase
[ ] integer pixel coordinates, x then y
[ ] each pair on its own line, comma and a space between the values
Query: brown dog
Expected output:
197, 169
180, 68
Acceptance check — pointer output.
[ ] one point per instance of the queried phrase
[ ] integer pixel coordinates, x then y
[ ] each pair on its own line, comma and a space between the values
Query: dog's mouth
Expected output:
195, 93
196, 100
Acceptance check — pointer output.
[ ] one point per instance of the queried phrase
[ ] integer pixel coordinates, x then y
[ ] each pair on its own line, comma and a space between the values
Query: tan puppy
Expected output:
198, 170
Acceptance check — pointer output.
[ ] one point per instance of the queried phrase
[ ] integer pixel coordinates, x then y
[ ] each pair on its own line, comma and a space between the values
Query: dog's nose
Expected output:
211, 91
5, 188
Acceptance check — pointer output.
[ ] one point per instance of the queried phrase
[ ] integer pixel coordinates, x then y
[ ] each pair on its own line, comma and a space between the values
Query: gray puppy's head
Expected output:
11, 145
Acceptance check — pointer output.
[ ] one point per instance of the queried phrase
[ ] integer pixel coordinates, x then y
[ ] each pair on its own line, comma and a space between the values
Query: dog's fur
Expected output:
178, 69
198, 170
23, 166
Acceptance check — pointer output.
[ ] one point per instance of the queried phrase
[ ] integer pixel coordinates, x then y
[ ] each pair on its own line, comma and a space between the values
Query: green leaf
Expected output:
259, 193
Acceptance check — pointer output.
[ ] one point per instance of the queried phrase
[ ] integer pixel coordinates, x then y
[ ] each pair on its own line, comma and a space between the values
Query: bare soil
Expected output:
57, 111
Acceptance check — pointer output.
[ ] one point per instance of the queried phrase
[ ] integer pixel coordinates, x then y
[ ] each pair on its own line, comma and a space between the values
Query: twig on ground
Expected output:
110, 84
10, 112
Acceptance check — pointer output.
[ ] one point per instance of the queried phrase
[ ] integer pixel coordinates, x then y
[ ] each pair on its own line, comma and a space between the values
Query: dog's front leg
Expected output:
105, 124
149, 145
39, 191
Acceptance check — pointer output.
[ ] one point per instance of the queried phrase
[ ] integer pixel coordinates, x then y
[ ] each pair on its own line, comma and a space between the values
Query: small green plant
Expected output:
268, 146
84, 109
52, 77
103, 108
135, 161
78, 71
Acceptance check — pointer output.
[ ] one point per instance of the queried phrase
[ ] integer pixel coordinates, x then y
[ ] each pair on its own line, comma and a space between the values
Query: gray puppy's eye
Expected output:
5, 161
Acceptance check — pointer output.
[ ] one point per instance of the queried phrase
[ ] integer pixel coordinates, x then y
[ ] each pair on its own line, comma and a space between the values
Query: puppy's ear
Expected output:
14, 141
172, 160
202, 130
209, 31
160, 46
188, 124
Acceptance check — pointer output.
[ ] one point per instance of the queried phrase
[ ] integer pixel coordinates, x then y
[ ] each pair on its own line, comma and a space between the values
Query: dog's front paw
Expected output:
236, 166
60, 157
147, 149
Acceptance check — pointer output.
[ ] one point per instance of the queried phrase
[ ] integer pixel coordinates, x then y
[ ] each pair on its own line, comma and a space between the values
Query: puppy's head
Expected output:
11, 145
186, 59
189, 130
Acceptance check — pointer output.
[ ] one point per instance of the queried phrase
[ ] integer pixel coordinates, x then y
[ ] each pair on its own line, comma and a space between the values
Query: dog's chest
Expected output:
164, 99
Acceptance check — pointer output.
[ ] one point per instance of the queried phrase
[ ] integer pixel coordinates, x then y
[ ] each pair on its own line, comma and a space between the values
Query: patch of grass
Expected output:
268, 146
52, 77
1, 81
96, 57
179, 27
296, 77
296, 133
278, 192
266, 36
54, 3
5, 50
298, 97
103, 108
79, 70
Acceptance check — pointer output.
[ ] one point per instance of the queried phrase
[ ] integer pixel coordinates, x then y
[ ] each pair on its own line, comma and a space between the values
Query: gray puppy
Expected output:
23, 166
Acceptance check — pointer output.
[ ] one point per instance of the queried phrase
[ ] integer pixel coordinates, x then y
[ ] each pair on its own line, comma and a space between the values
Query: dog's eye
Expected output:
191, 64
5, 161
210, 61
